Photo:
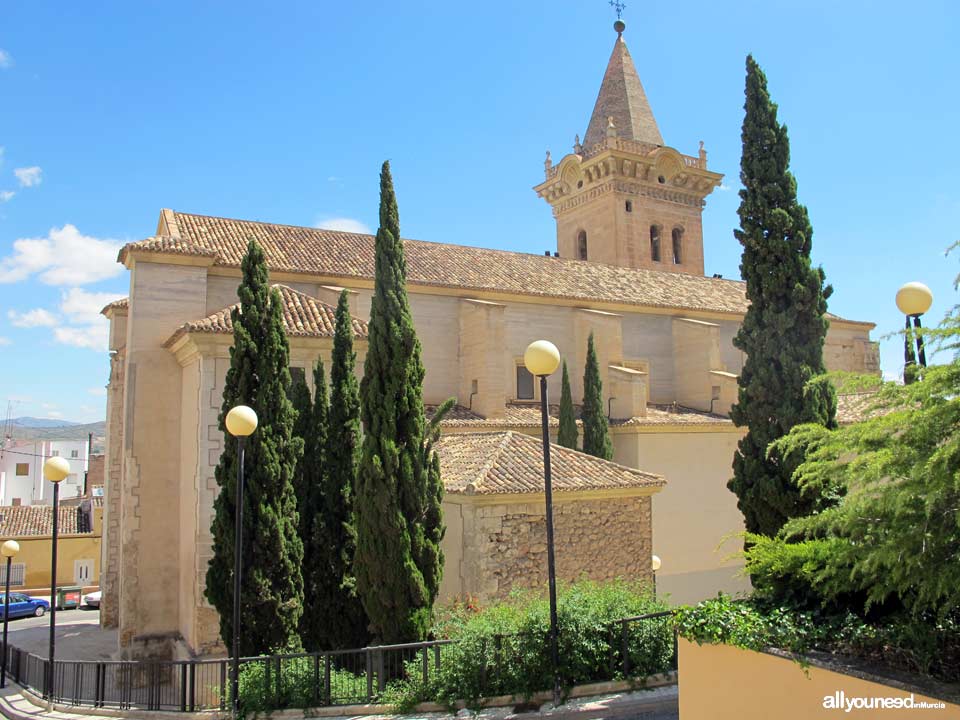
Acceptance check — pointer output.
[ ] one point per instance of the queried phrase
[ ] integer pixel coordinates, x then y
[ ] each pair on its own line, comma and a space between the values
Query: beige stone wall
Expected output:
696, 351
112, 494
504, 545
694, 513
162, 298
650, 338
481, 335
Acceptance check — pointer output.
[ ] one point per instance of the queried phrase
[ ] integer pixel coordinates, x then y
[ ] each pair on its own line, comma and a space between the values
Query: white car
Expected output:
92, 600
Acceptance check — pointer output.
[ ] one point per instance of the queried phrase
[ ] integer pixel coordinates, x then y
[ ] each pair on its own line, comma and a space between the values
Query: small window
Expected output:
661, 179
74, 453
677, 246
23, 469
655, 243
629, 205
582, 245
298, 375
524, 383
55, 453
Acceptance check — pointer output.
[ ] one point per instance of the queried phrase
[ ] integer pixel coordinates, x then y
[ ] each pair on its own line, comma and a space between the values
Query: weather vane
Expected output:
618, 6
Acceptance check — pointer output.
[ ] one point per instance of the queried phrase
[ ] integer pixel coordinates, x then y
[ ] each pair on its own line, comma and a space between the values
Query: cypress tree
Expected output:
272, 585
596, 430
784, 328
303, 405
337, 619
568, 422
393, 482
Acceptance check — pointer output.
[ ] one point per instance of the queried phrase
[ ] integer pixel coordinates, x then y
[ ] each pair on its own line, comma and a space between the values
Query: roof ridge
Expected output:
491, 460
563, 450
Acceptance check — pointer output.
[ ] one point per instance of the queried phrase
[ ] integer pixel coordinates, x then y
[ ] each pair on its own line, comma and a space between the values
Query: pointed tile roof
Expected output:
303, 316
510, 463
622, 98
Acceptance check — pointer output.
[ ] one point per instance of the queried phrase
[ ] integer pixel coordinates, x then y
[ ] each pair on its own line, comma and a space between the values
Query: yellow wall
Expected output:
721, 682
35, 553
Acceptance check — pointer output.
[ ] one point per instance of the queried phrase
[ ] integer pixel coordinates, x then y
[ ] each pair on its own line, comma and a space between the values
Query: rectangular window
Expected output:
17, 573
23, 469
56, 453
74, 453
524, 383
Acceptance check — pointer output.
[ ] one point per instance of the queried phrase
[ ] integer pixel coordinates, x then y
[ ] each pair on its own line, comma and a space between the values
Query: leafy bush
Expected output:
263, 689
924, 644
505, 649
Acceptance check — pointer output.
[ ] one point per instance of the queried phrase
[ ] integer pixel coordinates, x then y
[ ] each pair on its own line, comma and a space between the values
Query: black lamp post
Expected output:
55, 470
913, 300
542, 359
241, 421
8, 549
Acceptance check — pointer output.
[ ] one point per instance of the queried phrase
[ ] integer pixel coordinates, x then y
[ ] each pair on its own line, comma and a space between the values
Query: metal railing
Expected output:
344, 677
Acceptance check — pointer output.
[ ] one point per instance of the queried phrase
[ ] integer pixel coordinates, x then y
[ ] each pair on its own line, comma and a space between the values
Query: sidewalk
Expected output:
656, 704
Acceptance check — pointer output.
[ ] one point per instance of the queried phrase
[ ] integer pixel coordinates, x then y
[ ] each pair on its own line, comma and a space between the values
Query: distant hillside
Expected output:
73, 431
32, 422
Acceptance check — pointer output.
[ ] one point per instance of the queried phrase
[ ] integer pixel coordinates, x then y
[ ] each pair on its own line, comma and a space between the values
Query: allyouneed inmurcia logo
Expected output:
840, 701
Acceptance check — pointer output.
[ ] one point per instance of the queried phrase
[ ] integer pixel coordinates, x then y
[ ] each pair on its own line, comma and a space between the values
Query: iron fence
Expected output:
346, 677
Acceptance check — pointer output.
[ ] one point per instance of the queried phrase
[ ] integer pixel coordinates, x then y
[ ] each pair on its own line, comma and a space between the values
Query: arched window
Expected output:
655, 243
582, 245
677, 245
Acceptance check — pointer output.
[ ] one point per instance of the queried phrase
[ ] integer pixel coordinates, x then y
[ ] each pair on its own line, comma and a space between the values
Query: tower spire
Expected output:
622, 97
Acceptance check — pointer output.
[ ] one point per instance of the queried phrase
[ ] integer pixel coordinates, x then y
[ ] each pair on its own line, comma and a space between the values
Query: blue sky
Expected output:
284, 111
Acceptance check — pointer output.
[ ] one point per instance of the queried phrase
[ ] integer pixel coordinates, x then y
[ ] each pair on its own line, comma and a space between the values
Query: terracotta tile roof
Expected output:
121, 304
25, 520
854, 407
527, 415
303, 316
332, 253
509, 462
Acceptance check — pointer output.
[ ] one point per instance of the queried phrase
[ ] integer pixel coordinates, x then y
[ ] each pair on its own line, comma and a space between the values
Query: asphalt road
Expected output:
79, 636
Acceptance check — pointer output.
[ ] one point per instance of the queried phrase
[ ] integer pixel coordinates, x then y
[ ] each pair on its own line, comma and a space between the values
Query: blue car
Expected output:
22, 606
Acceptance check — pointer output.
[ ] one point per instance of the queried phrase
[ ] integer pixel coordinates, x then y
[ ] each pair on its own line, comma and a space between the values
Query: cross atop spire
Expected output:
618, 5
622, 97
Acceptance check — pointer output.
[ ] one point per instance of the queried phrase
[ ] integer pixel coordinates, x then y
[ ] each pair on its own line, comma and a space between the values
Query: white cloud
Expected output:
64, 257
97, 391
344, 224
32, 318
6, 195
87, 328
5, 341
723, 188
29, 176
5, 60
83, 308
94, 337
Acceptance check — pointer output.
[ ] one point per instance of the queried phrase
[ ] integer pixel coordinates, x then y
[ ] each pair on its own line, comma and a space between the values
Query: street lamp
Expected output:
241, 421
9, 549
655, 564
55, 469
542, 359
913, 300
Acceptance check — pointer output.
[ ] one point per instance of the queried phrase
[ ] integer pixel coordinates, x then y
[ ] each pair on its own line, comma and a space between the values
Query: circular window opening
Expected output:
661, 179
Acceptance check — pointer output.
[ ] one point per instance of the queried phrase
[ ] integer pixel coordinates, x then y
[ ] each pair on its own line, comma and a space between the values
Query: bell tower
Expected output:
622, 197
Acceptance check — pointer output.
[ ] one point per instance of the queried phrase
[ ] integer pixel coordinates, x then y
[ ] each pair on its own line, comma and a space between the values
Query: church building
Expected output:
629, 268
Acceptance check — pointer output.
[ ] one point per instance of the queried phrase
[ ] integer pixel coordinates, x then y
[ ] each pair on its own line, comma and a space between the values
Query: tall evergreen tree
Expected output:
272, 585
337, 619
784, 328
393, 482
568, 421
596, 429
303, 405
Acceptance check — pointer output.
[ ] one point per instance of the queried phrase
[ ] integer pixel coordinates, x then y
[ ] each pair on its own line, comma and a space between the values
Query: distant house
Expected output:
21, 470
79, 532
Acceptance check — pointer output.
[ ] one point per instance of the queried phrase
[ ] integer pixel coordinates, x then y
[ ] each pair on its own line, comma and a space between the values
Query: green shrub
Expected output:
505, 649
925, 644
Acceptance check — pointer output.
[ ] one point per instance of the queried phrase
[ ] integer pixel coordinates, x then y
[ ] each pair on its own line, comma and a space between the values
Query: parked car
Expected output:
21, 605
92, 600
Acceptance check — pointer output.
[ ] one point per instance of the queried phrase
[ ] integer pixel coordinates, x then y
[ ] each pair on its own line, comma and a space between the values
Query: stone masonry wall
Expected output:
113, 477
505, 546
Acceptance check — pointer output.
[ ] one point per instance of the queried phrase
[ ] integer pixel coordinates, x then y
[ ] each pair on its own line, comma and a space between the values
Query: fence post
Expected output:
381, 671
99, 678
436, 658
426, 666
483, 664
279, 682
77, 684
193, 685
674, 660
223, 685
326, 679
316, 679
369, 659
625, 647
